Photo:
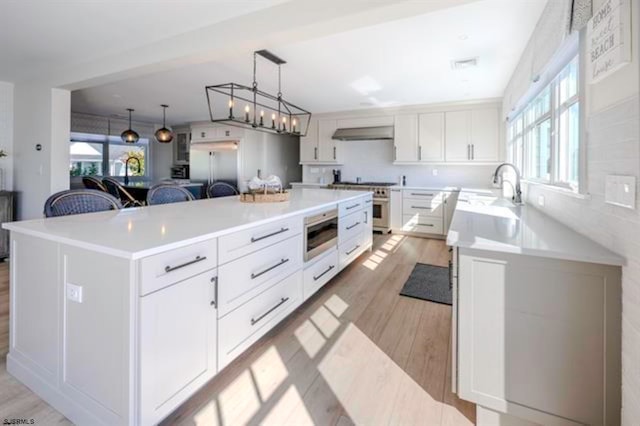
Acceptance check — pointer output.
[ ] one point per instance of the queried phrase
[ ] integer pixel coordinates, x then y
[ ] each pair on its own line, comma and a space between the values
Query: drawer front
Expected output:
349, 207
427, 207
423, 224
420, 194
351, 225
246, 277
242, 327
163, 269
318, 274
350, 250
241, 243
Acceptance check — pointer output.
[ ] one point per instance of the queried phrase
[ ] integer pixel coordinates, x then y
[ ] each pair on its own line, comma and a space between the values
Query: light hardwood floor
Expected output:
355, 353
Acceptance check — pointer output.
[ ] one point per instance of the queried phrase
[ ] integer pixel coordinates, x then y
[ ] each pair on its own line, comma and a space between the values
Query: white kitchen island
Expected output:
118, 317
536, 317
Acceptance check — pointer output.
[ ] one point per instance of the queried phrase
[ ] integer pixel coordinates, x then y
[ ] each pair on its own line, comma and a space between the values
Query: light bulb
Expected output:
261, 113
230, 103
246, 108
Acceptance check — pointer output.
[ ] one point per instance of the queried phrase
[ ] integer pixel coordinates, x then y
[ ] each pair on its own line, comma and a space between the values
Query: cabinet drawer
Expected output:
351, 225
348, 207
318, 274
166, 268
423, 224
241, 243
350, 250
420, 194
242, 327
246, 277
423, 207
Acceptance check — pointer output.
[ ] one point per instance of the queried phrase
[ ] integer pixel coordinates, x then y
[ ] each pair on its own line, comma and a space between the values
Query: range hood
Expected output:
364, 133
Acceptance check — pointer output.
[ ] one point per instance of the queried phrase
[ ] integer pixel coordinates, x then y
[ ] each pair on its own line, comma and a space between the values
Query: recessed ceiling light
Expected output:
462, 64
463, 37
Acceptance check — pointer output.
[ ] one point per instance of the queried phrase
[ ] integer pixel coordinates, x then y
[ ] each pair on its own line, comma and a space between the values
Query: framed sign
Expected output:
608, 39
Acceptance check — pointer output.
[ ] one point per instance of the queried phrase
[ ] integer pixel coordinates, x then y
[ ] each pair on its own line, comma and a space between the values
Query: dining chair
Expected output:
91, 182
117, 190
221, 189
78, 201
166, 193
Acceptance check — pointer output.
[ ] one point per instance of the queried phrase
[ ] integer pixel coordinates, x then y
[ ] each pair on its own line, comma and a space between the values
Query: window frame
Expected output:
106, 141
555, 111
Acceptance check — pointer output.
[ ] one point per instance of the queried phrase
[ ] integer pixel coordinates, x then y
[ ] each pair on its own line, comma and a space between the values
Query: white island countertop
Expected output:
484, 222
140, 232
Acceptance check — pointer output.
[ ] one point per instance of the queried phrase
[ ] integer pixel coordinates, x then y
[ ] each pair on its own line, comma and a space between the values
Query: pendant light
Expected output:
130, 135
164, 135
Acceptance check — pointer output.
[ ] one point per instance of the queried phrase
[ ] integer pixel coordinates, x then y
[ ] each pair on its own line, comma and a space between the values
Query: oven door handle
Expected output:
381, 200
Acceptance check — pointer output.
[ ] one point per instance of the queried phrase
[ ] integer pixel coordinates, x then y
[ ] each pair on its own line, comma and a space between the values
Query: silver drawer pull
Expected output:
352, 250
191, 262
421, 208
255, 239
270, 268
422, 195
352, 207
316, 278
425, 224
353, 226
214, 281
369, 201
254, 321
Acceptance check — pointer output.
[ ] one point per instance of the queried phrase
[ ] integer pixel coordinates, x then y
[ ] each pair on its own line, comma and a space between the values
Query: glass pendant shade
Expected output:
164, 135
130, 135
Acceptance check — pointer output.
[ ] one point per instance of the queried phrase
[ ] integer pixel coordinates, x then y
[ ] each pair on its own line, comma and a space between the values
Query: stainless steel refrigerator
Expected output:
214, 161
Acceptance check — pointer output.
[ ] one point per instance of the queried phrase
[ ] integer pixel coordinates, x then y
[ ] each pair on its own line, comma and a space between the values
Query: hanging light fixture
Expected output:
164, 135
130, 135
252, 104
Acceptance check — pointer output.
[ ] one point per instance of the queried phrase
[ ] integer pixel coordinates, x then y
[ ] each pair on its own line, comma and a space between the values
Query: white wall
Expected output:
373, 161
6, 132
612, 147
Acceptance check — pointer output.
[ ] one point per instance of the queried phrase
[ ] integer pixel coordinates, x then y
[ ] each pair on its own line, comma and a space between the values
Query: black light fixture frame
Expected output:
260, 99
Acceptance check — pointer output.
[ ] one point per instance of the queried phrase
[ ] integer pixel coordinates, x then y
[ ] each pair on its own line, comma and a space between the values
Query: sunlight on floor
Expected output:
268, 373
393, 243
378, 256
310, 338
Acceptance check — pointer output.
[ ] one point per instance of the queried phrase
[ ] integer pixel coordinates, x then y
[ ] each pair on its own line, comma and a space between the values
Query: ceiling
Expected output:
402, 62
52, 33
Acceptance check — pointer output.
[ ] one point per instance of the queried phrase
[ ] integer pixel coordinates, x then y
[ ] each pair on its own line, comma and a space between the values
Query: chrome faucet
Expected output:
126, 169
517, 193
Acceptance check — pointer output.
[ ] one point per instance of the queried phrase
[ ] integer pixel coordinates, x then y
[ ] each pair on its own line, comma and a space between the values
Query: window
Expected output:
100, 155
544, 138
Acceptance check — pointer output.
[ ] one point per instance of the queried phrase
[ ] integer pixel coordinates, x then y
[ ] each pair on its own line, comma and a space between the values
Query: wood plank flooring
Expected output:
355, 353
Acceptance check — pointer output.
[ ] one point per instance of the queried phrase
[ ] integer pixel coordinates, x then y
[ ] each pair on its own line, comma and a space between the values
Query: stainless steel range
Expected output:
381, 220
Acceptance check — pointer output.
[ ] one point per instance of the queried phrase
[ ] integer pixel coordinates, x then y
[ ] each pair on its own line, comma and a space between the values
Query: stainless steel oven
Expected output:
320, 233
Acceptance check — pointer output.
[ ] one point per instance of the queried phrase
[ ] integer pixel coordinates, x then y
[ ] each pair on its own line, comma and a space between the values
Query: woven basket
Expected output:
264, 197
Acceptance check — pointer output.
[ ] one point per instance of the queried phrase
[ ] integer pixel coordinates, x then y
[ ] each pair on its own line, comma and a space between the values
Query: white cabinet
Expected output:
395, 209
181, 145
177, 344
212, 132
457, 128
318, 147
405, 138
450, 201
472, 135
431, 140
320, 272
485, 135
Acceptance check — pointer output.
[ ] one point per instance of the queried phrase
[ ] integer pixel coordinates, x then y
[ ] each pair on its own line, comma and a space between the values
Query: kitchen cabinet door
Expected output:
309, 144
181, 145
457, 141
485, 134
177, 344
431, 137
328, 148
405, 138
395, 210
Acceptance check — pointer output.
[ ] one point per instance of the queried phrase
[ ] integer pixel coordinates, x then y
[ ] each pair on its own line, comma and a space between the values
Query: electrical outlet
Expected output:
434, 172
74, 293
621, 191
541, 200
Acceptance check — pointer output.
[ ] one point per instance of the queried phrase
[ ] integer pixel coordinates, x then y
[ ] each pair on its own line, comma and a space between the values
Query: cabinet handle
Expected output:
191, 262
214, 281
254, 321
352, 250
316, 278
421, 194
473, 151
256, 239
421, 208
468, 152
270, 268
425, 224
419, 152
395, 153
315, 153
366, 216
353, 226
352, 207
369, 201
334, 152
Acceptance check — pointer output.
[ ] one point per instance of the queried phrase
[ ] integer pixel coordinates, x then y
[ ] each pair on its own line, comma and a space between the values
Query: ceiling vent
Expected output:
463, 64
